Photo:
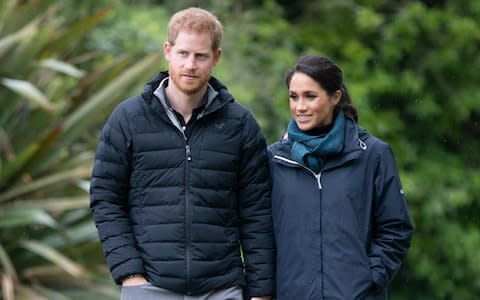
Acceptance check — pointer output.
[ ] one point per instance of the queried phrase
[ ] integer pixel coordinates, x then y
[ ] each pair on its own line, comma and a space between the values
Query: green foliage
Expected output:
54, 95
141, 29
254, 62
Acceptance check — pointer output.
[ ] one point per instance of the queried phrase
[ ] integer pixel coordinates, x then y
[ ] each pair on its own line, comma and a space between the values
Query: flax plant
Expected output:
54, 94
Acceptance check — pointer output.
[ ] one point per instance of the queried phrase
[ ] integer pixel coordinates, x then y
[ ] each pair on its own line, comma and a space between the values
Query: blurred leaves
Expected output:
62, 67
30, 92
55, 93
54, 256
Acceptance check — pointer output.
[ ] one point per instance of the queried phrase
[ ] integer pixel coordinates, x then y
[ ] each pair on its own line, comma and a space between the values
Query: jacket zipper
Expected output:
187, 211
188, 156
317, 176
363, 146
176, 123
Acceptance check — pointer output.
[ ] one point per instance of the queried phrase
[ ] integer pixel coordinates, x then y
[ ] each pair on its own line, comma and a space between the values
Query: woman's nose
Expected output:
301, 105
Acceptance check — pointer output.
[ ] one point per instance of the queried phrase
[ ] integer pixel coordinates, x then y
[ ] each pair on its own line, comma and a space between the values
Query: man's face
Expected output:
191, 61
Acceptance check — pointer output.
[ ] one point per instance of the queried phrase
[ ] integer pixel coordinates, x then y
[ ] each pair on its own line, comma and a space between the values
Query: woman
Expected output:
341, 223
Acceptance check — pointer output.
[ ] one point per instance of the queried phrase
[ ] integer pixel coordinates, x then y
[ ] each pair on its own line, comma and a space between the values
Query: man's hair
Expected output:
196, 20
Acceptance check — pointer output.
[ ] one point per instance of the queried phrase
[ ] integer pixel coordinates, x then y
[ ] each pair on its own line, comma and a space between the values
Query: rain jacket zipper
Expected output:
317, 176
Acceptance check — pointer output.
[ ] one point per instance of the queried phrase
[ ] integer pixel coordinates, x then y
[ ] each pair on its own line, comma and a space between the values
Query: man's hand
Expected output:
136, 280
261, 298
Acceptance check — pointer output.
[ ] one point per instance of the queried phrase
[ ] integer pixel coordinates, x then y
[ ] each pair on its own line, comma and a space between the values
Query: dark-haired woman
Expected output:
341, 222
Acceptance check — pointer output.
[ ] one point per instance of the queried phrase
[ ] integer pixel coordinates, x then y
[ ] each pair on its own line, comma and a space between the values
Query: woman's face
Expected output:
310, 105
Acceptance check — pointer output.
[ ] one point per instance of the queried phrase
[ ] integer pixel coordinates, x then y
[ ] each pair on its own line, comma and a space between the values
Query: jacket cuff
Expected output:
265, 289
133, 266
379, 278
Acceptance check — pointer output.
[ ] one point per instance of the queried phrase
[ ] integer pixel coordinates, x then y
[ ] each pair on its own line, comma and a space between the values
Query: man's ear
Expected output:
167, 48
216, 55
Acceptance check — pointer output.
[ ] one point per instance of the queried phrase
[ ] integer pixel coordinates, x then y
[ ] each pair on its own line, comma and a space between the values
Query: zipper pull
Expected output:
183, 132
317, 176
188, 153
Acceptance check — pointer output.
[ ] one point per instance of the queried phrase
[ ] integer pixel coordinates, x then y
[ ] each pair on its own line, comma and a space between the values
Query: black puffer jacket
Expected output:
177, 209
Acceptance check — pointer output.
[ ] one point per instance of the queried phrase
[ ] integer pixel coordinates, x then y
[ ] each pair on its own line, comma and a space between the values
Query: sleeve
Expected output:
392, 228
256, 229
109, 193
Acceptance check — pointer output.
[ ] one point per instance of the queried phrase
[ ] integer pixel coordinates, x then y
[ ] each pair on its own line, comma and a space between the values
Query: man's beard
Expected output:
187, 88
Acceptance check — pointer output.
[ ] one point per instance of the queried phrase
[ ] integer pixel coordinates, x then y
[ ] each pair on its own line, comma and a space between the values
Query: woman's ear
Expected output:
337, 96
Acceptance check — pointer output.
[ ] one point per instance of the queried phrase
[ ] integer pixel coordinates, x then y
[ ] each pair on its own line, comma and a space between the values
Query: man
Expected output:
180, 189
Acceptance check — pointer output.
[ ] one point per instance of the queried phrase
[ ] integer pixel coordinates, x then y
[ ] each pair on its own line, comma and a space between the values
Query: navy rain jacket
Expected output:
178, 210
341, 234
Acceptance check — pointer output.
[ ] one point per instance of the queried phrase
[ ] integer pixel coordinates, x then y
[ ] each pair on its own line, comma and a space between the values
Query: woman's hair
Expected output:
196, 20
329, 76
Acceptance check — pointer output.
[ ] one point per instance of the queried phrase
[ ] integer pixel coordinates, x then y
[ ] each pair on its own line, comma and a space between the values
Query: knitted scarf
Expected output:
311, 150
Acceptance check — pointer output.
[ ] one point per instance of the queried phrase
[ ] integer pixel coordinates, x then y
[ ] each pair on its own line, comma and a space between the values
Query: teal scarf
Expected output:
311, 150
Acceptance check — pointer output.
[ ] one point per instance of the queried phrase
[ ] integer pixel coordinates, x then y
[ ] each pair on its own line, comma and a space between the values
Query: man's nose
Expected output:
191, 62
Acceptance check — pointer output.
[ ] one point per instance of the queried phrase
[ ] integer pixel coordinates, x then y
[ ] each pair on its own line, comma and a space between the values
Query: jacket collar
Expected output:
354, 144
355, 137
222, 95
